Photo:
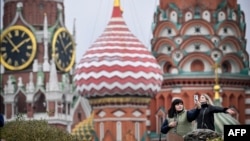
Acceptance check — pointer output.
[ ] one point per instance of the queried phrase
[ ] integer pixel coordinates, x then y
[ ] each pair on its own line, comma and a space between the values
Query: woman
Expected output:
205, 119
179, 120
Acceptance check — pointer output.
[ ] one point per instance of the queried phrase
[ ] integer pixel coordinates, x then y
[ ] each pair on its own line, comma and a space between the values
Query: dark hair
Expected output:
172, 111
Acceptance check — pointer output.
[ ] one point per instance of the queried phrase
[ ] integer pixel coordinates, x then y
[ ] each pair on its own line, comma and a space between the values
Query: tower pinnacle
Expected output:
116, 3
117, 12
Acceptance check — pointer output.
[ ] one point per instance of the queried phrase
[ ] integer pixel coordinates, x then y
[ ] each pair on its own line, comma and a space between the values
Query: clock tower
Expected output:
37, 63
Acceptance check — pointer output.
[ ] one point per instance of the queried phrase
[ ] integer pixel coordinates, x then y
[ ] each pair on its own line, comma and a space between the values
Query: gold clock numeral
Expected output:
16, 63
9, 61
28, 54
23, 34
4, 56
56, 55
3, 49
67, 62
16, 32
23, 61
29, 47
60, 62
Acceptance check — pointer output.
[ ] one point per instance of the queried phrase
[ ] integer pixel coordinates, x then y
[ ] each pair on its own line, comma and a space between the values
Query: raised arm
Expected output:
192, 114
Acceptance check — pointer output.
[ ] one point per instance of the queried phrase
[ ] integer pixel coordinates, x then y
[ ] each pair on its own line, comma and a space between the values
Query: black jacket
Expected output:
1, 120
205, 119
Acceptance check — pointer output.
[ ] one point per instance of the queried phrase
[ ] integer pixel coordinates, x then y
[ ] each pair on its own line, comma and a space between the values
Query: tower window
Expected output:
79, 115
225, 30
197, 46
169, 48
224, 48
197, 29
169, 31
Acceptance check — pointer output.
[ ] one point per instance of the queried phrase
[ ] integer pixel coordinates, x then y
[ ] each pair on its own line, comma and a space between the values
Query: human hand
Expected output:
172, 124
198, 104
230, 111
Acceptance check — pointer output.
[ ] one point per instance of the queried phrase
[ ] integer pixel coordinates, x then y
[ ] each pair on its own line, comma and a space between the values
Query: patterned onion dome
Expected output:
85, 129
118, 64
221, 119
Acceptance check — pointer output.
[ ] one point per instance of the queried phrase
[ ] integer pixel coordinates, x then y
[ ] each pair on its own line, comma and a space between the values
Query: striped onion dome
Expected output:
117, 64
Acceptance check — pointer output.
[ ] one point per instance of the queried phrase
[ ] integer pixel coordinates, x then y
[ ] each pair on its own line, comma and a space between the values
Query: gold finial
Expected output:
216, 86
117, 3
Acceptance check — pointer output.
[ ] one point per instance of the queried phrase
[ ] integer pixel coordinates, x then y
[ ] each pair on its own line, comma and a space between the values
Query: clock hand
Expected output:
67, 45
13, 45
61, 40
19, 45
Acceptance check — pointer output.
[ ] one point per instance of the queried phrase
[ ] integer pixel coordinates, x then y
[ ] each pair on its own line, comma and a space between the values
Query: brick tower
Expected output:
37, 63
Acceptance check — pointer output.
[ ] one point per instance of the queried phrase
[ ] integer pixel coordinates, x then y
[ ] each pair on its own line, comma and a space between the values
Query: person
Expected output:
1, 120
179, 120
205, 119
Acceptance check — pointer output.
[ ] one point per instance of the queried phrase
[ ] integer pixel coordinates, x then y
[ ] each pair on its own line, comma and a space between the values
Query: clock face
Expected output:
63, 50
18, 47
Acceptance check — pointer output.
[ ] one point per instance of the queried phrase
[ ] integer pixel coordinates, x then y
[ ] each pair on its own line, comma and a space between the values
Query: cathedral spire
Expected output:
117, 12
45, 42
74, 30
53, 80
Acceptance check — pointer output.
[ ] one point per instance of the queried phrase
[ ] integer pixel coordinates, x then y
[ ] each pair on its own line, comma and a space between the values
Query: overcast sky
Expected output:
91, 18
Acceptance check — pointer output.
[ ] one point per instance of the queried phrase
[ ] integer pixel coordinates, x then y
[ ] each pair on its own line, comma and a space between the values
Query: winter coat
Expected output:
184, 120
205, 119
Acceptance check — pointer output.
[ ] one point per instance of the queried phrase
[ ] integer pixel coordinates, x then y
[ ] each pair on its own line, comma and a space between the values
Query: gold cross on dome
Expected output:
216, 66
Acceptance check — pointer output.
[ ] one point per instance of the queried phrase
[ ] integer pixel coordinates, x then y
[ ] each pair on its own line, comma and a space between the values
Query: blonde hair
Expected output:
209, 100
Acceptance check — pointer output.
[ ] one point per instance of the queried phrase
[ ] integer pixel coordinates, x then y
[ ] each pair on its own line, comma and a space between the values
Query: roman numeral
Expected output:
16, 33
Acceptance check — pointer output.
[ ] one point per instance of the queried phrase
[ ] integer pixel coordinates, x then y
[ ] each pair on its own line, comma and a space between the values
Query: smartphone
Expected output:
196, 97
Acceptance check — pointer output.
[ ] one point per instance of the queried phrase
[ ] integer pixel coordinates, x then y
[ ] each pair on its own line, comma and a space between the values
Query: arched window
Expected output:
197, 66
167, 67
206, 16
221, 16
173, 17
226, 67
188, 16
39, 103
20, 104
118, 131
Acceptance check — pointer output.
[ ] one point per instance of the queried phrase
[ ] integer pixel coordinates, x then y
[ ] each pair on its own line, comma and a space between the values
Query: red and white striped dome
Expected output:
118, 64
